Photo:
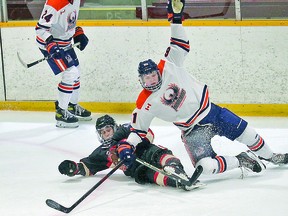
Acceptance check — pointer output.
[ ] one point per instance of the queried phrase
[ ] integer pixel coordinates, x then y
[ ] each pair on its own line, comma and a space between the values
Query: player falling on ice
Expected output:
172, 94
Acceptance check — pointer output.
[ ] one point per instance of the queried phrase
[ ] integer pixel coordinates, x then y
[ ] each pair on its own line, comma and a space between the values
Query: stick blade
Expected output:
198, 171
21, 61
57, 206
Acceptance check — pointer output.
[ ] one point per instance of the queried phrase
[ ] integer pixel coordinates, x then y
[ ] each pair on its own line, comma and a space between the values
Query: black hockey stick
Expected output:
175, 176
28, 65
57, 206
198, 171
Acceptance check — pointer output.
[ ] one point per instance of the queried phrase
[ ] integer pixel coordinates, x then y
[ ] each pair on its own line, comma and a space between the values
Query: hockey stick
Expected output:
175, 176
43, 59
57, 206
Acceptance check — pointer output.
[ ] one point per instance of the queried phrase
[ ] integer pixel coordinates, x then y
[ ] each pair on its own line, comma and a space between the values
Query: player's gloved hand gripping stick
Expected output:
28, 65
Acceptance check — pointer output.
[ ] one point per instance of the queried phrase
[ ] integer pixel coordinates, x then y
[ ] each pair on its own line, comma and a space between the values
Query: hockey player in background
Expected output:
173, 95
114, 147
56, 30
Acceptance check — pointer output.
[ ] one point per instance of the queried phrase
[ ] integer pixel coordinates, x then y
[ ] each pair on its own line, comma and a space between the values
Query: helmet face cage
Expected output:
103, 122
148, 67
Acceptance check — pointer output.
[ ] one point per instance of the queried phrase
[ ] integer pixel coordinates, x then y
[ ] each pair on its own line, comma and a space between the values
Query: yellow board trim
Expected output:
98, 107
280, 110
157, 23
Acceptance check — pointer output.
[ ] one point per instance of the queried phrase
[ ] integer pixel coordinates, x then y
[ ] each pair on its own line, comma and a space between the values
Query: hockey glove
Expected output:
79, 36
55, 51
69, 168
125, 152
175, 10
142, 147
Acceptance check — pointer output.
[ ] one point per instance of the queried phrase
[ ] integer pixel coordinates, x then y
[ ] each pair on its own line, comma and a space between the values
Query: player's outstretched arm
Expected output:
71, 168
179, 43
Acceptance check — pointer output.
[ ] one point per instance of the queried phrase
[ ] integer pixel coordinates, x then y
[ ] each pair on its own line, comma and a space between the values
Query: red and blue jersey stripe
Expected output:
180, 43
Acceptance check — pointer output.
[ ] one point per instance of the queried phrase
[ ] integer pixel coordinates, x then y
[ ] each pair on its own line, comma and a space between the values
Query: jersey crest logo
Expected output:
174, 97
71, 20
68, 59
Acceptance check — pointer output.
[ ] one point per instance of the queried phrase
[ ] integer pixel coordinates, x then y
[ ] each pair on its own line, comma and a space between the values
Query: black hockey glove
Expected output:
175, 10
69, 168
79, 36
142, 147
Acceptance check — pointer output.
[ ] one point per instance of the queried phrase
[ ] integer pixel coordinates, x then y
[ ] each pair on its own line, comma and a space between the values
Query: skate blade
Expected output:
88, 118
255, 157
199, 185
171, 170
195, 186
61, 124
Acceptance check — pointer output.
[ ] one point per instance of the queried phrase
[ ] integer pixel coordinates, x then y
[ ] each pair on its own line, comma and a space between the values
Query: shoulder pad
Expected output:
144, 94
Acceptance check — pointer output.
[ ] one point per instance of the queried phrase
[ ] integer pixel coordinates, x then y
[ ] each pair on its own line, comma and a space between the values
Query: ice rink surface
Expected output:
31, 147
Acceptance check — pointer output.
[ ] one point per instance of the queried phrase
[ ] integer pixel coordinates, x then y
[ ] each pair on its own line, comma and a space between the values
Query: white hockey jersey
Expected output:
58, 19
181, 99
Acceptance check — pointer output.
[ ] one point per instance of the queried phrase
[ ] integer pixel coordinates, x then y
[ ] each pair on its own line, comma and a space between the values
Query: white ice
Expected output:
31, 147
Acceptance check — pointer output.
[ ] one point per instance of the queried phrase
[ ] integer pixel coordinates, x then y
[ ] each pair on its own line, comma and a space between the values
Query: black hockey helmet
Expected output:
148, 67
101, 123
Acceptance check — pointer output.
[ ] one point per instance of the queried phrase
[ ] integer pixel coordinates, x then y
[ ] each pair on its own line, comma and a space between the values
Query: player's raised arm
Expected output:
179, 43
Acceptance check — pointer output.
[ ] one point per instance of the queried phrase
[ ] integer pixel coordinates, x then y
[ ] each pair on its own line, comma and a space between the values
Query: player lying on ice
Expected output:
113, 146
172, 94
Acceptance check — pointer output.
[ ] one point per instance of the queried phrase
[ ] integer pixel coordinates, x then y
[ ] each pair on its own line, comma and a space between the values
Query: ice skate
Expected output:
250, 161
194, 186
65, 119
78, 111
177, 170
278, 159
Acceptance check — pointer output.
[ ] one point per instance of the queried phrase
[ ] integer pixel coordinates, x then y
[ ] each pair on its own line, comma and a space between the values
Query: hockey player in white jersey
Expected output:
173, 95
55, 30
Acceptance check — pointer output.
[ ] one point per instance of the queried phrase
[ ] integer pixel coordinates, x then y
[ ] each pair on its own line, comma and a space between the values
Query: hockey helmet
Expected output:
103, 123
149, 67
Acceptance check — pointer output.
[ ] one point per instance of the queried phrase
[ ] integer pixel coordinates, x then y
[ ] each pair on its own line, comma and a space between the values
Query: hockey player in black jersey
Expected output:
114, 147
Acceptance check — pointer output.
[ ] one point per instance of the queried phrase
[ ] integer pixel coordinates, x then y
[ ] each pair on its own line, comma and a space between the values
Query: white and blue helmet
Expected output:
148, 67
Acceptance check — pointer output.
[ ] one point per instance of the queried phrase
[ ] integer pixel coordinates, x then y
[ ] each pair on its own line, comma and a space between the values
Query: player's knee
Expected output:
70, 76
140, 174
209, 165
249, 135
154, 153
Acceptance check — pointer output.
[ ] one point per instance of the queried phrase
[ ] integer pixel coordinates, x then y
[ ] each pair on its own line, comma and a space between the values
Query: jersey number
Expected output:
167, 51
134, 118
46, 17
